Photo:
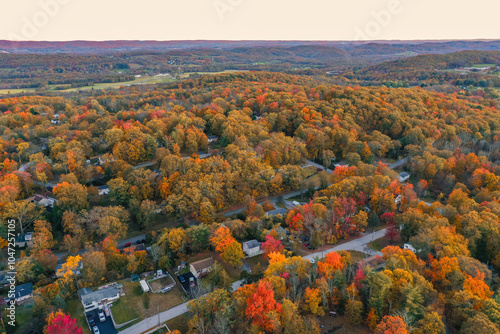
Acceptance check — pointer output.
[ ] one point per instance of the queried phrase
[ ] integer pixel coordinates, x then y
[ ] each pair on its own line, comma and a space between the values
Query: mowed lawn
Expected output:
135, 305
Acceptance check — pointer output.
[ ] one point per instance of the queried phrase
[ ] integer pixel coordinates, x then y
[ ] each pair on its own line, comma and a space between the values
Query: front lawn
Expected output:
381, 243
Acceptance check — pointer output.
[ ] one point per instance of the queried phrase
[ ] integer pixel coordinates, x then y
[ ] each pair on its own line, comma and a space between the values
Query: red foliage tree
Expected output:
63, 324
260, 304
271, 245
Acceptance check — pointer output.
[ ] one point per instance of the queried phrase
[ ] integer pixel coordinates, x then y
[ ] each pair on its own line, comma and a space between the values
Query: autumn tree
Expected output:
391, 325
271, 245
312, 302
71, 196
262, 307
60, 323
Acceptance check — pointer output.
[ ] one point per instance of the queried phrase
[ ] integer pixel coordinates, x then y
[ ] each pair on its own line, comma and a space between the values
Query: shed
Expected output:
144, 285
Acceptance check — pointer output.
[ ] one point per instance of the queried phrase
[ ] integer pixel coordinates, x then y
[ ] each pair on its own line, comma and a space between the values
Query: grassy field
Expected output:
159, 222
309, 171
381, 243
357, 256
483, 65
135, 305
180, 323
187, 74
137, 81
75, 308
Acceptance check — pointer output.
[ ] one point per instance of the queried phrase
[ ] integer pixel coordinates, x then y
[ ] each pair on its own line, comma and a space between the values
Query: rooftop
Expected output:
24, 290
404, 174
203, 264
98, 295
252, 243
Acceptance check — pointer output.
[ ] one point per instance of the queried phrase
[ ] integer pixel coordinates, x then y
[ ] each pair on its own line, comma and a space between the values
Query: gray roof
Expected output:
252, 243
404, 174
84, 291
277, 212
24, 290
98, 295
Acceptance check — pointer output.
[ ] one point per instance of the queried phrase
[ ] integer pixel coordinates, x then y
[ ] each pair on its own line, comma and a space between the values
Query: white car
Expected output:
102, 316
312, 260
295, 203
95, 329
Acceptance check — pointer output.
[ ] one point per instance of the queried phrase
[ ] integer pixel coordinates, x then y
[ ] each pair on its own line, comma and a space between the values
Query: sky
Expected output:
97, 20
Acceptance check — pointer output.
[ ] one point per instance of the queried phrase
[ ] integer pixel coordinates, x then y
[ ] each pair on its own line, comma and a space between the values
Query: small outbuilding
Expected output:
144, 286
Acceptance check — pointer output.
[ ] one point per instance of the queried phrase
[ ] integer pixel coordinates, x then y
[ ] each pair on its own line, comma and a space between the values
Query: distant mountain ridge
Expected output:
356, 47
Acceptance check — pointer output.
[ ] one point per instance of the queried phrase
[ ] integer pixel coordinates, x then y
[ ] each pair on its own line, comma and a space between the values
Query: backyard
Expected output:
136, 304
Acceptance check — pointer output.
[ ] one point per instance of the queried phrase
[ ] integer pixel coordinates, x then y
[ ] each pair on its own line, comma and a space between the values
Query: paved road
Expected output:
399, 163
146, 164
359, 244
312, 163
272, 199
120, 244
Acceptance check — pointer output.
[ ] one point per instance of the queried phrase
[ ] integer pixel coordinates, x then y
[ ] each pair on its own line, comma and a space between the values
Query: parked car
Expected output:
191, 281
128, 244
166, 289
102, 316
95, 329
295, 203
182, 279
91, 320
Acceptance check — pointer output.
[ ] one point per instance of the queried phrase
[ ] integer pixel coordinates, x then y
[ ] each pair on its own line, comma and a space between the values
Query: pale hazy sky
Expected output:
249, 19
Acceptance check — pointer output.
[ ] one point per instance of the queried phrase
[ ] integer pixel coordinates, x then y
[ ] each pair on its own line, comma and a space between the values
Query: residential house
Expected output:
213, 139
251, 248
77, 271
42, 200
103, 190
97, 299
24, 292
404, 176
55, 121
201, 267
24, 240
409, 246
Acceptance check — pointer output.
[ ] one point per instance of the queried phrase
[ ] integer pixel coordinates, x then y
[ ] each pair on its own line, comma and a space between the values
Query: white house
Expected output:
251, 248
409, 247
201, 267
55, 121
103, 190
213, 139
404, 176
97, 299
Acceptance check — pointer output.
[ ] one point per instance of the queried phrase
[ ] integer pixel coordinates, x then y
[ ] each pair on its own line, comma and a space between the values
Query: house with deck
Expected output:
201, 267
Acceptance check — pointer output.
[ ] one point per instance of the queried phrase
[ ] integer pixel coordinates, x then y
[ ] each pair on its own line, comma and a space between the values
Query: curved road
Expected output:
360, 244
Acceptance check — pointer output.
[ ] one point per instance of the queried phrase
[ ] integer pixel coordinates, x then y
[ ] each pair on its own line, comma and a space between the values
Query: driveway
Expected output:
186, 286
106, 327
